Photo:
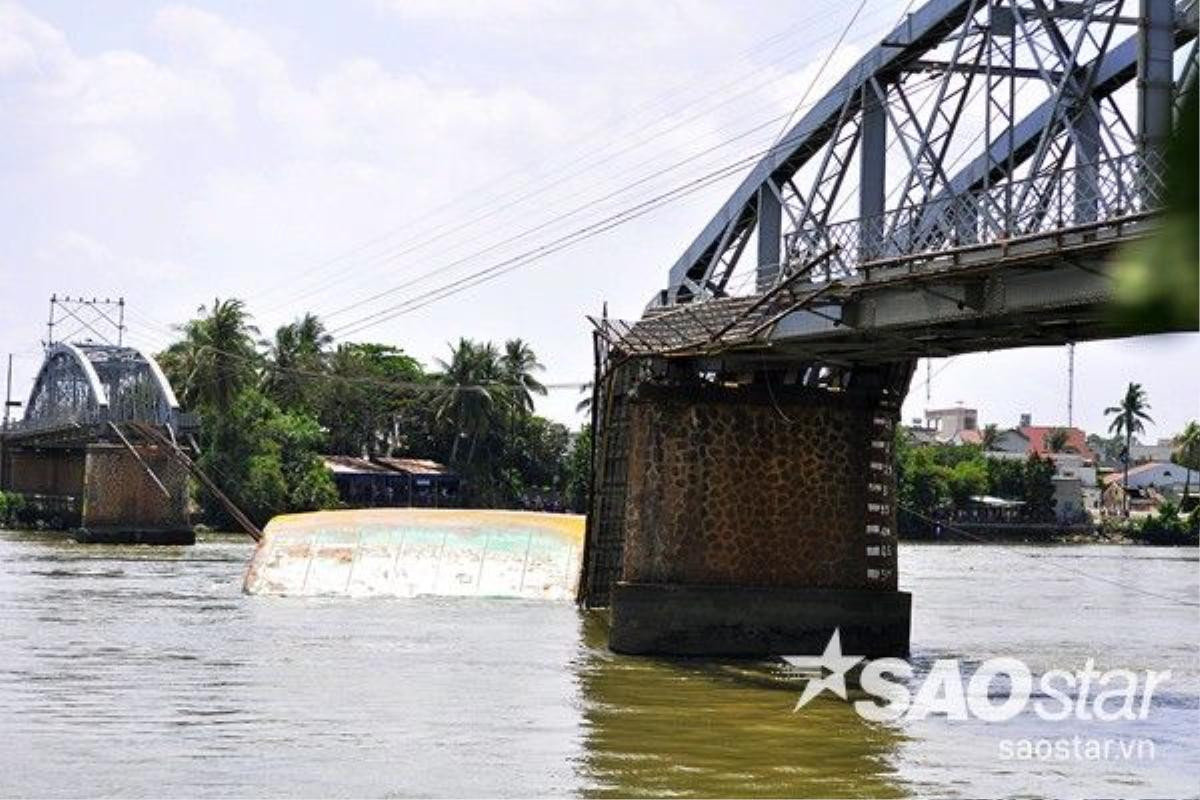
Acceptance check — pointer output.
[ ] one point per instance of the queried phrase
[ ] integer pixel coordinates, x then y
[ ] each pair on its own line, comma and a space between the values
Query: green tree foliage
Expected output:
1039, 489
267, 416
298, 353
482, 424
520, 365
216, 359
262, 457
1057, 440
1169, 527
265, 459
1108, 448
933, 481
967, 478
11, 505
1006, 478
373, 402
473, 399
1187, 452
579, 471
989, 437
922, 484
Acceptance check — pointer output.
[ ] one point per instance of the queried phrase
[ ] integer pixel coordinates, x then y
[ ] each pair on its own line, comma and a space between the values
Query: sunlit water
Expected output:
139, 671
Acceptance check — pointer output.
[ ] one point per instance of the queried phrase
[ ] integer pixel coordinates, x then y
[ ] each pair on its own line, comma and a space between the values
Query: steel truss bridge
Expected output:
97, 452
83, 390
963, 187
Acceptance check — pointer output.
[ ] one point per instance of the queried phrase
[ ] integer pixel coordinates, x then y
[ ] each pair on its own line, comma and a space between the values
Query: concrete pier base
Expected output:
123, 504
127, 535
758, 518
753, 622
101, 492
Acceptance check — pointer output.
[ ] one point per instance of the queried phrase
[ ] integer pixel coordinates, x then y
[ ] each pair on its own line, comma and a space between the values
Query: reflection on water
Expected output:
144, 671
656, 727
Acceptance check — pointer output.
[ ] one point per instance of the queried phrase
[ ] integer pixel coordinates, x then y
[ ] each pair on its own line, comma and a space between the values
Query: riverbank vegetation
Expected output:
272, 406
939, 487
11, 505
934, 482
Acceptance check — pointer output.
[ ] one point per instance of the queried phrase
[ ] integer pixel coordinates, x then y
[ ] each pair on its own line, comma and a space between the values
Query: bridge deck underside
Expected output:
1045, 289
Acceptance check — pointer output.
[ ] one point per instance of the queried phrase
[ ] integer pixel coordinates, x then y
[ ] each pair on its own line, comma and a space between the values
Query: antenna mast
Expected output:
1071, 385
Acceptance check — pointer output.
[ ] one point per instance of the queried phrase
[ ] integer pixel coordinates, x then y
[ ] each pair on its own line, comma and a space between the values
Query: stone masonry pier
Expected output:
757, 517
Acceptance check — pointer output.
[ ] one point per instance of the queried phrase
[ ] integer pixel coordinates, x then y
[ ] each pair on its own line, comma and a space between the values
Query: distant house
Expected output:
1075, 491
968, 436
1030, 439
1071, 501
392, 482
1141, 453
1141, 501
1163, 477
361, 484
430, 484
948, 423
919, 434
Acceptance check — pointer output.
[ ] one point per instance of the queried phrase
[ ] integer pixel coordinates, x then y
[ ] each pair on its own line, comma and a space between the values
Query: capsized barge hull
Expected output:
408, 552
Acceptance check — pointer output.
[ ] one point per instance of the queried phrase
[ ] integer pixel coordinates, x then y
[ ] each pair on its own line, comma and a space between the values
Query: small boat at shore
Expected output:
408, 552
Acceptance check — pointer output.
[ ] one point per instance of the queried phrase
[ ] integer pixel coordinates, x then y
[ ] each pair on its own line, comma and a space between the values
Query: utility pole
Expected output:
1071, 385
50, 322
8, 401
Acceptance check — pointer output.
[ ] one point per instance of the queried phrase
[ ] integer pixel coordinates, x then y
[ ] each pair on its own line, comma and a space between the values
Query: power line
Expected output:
509, 265
539, 227
581, 234
706, 99
456, 226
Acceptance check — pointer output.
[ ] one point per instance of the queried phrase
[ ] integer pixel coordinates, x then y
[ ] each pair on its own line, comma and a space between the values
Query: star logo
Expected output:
833, 667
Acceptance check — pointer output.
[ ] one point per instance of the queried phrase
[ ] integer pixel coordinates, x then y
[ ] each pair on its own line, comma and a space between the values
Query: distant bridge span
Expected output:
71, 455
963, 187
92, 384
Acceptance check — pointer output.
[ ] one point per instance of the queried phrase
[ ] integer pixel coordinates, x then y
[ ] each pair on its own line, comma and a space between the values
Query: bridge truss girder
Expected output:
952, 51
81, 385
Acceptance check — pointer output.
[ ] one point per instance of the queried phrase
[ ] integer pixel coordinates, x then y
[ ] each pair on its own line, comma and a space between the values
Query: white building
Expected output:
948, 423
1162, 451
1163, 476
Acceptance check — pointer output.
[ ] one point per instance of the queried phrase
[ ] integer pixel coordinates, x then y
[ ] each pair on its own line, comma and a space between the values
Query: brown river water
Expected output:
145, 672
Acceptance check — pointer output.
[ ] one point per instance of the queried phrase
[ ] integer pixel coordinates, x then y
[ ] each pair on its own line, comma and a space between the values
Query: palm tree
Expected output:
473, 395
1187, 453
311, 336
519, 363
585, 403
1056, 440
1128, 418
216, 358
989, 436
300, 347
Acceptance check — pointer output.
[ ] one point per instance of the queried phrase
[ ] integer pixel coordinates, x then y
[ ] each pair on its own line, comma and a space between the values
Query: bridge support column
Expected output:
873, 170
759, 519
1156, 52
122, 503
770, 231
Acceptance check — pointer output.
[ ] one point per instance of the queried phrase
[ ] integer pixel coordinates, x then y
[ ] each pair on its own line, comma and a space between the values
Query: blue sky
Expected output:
306, 156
